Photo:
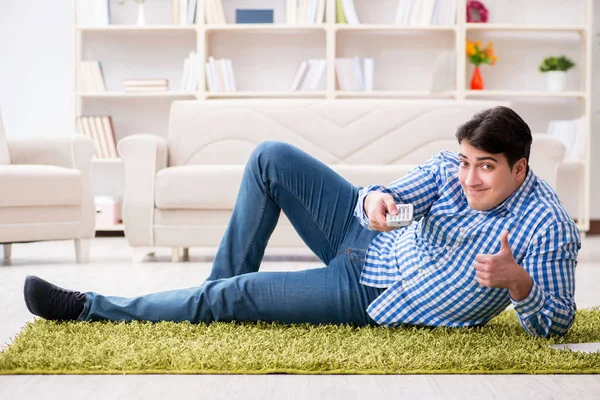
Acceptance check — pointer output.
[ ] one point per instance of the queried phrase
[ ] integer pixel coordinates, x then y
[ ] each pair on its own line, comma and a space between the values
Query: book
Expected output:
110, 136
97, 122
369, 73
146, 82
350, 12
229, 65
320, 18
191, 12
146, 89
299, 75
175, 11
340, 18
254, 16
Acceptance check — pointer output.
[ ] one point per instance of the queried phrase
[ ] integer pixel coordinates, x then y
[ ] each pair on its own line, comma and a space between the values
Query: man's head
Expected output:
494, 156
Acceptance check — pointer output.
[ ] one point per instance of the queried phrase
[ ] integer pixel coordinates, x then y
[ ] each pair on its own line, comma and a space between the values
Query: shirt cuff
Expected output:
359, 210
532, 304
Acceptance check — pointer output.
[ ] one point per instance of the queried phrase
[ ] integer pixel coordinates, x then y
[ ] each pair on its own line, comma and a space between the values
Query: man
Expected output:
487, 233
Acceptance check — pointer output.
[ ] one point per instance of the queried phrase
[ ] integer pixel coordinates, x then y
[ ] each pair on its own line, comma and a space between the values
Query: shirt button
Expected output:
448, 248
403, 281
420, 270
462, 229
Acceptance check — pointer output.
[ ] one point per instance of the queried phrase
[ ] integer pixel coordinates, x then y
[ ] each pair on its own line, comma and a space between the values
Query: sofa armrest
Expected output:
143, 155
74, 152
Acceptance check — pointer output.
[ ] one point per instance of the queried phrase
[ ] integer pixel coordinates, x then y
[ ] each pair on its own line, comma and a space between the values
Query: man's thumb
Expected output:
391, 205
504, 241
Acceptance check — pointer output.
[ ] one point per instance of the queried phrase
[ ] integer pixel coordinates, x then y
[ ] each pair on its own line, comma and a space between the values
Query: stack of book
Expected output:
146, 85
213, 11
184, 12
352, 77
100, 130
90, 77
189, 81
346, 12
219, 75
426, 12
304, 11
309, 74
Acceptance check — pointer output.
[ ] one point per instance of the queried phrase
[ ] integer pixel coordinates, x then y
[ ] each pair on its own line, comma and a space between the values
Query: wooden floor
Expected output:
112, 272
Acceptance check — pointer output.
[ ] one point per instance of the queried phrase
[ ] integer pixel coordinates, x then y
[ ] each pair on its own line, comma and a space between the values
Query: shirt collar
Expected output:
518, 200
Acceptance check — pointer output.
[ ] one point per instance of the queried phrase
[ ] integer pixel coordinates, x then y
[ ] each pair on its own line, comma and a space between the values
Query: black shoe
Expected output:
51, 302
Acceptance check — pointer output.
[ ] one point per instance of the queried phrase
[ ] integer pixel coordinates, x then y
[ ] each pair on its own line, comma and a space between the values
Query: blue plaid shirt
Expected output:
428, 267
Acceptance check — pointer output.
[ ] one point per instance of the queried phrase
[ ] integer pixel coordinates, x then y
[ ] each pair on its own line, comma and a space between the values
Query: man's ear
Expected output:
520, 167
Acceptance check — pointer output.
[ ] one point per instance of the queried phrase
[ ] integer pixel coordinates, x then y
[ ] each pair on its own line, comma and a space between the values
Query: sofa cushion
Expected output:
198, 186
4, 154
216, 186
39, 185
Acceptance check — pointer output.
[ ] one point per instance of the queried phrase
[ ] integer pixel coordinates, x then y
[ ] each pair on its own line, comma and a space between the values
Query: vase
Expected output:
140, 17
476, 80
556, 80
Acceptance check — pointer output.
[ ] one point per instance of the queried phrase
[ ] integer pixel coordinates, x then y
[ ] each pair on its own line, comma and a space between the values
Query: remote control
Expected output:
403, 218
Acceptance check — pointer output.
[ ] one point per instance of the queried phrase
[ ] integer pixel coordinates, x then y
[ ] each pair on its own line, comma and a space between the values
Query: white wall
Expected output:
36, 71
36, 67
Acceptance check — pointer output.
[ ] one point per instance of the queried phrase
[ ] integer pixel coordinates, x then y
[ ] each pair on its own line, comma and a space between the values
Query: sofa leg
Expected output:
82, 250
186, 254
176, 254
7, 251
140, 253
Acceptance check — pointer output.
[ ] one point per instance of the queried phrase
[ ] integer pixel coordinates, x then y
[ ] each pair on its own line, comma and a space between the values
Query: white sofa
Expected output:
46, 192
180, 191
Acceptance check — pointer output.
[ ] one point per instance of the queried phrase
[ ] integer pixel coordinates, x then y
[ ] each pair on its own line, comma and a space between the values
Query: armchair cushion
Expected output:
39, 185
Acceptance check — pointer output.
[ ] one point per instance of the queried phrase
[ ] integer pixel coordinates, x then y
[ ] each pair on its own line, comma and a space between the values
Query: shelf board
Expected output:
259, 94
122, 95
393, 94
265, 28
135, 28
524, 93
525, 28
118, 227
395, 28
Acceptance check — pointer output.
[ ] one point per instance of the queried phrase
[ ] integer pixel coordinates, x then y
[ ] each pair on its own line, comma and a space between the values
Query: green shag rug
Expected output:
500, 347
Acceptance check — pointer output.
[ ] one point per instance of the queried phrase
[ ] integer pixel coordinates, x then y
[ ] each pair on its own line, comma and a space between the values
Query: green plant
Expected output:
561, 63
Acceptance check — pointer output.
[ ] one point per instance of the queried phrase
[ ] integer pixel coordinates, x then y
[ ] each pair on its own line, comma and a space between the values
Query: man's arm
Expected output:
548, 308
419, 187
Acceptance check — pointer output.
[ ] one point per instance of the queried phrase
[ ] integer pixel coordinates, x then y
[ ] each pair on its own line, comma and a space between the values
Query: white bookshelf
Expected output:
265, 58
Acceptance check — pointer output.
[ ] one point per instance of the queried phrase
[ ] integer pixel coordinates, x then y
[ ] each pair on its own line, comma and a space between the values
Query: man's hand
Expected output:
376, 206
500, 270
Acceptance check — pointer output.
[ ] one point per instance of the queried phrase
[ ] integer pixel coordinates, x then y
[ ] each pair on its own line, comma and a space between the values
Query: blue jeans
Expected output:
319, 203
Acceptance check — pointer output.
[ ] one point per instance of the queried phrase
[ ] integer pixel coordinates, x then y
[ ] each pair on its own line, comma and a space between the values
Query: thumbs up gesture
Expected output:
499, 270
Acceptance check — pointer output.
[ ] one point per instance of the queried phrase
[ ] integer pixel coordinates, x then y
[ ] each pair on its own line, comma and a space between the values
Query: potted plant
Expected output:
141, 21
477, 55
556, 69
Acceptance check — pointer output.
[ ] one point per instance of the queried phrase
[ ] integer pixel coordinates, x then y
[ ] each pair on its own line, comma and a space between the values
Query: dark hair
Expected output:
498, 130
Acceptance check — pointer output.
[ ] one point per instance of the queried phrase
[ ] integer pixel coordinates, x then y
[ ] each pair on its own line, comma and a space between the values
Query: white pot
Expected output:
556, 81
141, 21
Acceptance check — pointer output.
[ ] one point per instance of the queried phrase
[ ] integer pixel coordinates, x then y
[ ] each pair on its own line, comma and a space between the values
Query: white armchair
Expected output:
46, 193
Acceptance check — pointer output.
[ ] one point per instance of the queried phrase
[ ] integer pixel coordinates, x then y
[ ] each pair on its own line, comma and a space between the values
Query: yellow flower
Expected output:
471, 49
478, 43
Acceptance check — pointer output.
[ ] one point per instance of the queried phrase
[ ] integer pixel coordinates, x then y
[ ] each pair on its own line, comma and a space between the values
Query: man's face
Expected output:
486, 178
